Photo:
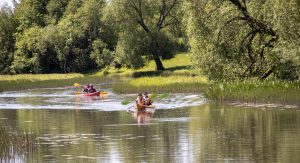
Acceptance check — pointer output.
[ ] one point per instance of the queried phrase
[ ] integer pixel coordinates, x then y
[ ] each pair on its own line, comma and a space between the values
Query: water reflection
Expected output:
142, 117
208, 133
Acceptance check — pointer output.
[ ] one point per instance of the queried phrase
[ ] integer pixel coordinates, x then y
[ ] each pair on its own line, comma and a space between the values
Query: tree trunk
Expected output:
159, 65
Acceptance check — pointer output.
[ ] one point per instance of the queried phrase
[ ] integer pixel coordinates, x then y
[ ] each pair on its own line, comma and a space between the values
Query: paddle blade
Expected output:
76, 85
153, 96
77, 93
125, 102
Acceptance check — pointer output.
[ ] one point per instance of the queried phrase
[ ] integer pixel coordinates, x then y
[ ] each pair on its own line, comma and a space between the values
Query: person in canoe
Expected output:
92, 89
140, 102
147, 99
86, 89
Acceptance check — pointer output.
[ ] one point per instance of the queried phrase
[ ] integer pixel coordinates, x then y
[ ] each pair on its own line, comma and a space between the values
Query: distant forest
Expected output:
227, 39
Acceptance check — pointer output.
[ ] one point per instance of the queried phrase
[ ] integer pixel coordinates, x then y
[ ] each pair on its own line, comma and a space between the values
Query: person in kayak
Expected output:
140, 100
86, 89
147, 99
92, 89
140, 103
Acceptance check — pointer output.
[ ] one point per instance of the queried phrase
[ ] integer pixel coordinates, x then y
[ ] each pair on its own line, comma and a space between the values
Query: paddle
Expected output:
125, 102
76, 85
153, 96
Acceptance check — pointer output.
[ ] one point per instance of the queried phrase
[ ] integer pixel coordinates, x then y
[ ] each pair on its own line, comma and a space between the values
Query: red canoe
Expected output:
92, 94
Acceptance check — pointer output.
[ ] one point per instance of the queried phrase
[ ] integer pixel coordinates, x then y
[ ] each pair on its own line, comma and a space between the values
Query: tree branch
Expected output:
164, 13
139, 12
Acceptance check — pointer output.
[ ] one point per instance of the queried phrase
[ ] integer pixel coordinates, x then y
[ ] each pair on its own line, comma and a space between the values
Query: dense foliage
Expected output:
228, 39
57, 36
146, 28
238, 39
8, 26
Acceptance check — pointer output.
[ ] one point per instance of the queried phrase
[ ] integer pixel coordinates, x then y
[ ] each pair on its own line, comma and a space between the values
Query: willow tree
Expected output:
238, 39
143, 27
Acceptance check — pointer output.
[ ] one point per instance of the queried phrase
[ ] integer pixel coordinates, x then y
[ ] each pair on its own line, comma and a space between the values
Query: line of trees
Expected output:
228, 39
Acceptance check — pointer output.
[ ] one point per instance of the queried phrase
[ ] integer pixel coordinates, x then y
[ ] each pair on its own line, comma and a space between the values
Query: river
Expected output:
54, 125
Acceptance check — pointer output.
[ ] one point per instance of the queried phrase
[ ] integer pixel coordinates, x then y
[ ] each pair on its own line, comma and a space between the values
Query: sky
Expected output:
2, 2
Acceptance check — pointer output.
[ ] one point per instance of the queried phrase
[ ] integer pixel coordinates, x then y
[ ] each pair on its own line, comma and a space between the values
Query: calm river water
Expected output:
53, 125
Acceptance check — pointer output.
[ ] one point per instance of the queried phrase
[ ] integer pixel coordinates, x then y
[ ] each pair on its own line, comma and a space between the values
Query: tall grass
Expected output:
160, 84
12, 144
280, 92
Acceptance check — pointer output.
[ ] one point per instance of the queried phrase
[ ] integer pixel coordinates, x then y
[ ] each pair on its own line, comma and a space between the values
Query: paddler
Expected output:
140, 102
91, 89
147, 99
86, 89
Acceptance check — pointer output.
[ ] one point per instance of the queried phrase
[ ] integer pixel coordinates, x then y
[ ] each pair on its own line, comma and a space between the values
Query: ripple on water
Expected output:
181, 119
65, 99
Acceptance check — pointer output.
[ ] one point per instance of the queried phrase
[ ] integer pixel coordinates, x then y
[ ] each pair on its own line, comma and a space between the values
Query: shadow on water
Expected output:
15, 145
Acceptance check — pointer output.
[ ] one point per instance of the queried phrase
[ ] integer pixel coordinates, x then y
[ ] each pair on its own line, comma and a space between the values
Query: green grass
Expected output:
162, 84
179, 65
39, 77
178, 77
28, 81
278, 92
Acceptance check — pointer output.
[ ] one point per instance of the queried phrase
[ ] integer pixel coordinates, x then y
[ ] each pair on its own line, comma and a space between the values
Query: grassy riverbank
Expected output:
278, 92
180, 65
163, 84
28, 81
179, 77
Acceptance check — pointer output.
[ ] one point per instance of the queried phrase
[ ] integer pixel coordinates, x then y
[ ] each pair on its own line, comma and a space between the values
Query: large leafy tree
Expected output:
144, 29
31, 13
55, 10
83, 38
72, 38
238, 39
